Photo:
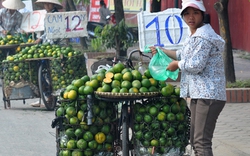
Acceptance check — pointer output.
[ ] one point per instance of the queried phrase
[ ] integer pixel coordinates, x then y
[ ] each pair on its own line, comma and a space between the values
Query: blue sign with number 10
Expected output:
164, 29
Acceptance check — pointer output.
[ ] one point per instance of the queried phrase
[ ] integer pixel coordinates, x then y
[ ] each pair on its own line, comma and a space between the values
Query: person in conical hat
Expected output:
10, 17
202, 75
50, 6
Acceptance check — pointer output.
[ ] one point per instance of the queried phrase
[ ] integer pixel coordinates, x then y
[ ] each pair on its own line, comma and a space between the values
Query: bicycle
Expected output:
123, 143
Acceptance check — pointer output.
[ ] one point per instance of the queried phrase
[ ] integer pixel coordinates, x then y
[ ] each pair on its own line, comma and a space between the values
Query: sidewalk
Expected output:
231, 136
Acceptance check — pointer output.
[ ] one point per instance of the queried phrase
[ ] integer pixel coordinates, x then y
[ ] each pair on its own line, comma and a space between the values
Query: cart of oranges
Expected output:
121, 111
39, 71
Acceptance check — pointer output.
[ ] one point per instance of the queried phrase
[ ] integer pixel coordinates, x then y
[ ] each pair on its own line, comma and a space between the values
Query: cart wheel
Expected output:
45, 88
5, 101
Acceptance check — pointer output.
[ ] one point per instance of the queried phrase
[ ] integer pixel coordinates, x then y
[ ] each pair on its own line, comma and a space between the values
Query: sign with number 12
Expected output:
66, 24
164, 29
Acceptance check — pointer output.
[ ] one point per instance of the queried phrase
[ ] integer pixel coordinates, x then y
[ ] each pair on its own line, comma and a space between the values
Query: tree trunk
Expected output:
119, 15
222, 11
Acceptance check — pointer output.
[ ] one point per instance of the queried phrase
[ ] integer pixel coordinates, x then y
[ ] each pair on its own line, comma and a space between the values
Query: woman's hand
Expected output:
153, 50
38, 41
173, 66
4, 32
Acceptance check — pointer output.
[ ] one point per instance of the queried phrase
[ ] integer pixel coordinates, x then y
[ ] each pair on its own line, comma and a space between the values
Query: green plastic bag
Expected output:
158, 66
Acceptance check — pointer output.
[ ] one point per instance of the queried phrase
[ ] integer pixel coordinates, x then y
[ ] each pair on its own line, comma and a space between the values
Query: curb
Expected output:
238, 95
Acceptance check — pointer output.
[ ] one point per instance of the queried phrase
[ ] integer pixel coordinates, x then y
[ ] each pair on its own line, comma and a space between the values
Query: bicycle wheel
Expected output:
125, 135
45, 87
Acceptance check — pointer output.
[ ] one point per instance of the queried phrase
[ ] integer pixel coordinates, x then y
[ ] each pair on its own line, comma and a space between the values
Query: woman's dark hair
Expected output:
185, 10
55, 10
102, 3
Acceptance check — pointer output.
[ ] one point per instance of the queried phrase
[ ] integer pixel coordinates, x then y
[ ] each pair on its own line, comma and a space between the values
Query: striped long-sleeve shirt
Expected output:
11, 23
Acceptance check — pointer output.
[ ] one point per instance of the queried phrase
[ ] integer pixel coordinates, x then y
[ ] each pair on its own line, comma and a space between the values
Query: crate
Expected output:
20, 79
83, 130
161, 126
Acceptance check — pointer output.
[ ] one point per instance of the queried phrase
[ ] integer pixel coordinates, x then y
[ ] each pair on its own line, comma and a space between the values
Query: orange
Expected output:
153, 110
180, 117
109, 75
125, 70
85, 78
108, 146
148, 118
81, 90
88, 136
77, 153
161, 116
73, 120
71, 144
153, 82
127, 76
147, 73
136, 75
171, 117
88, 90
154, 142
152, 89
71, 87
100, 137
171, 131
116, 84
78, 83
166, 108
105, 129
84, 125
175, 108
60, 111
109, 138
143, 90
126, 84
106, 88
177, 91
15, 68
92, 144
71, 111
118, 67
79, 133
70, 133
123, 90
107, 80
80, 115
133, 90
100, 77
118, 76
139, 135
145, 83
88, 152
115, 90
136, 84
94, 83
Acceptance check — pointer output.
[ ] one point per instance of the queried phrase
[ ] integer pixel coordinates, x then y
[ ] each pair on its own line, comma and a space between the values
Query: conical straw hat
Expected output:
58, 5
13, 4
